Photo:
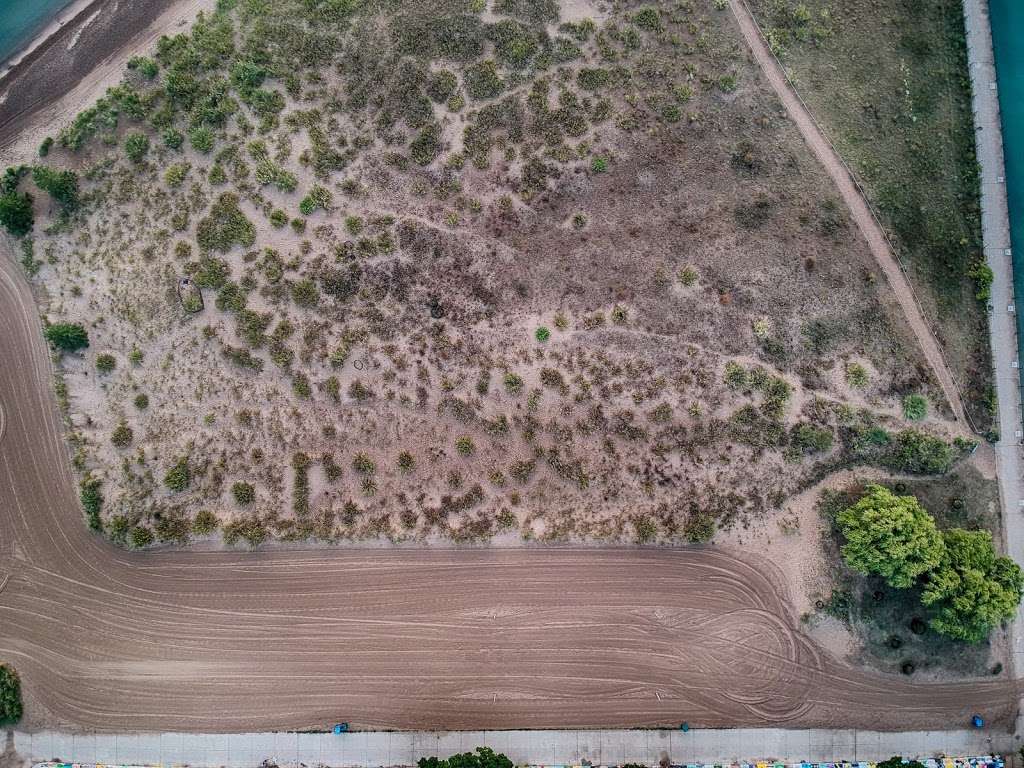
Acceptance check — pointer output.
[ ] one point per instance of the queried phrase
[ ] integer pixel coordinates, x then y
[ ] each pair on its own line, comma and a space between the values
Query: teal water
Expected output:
1007, 17
21, 20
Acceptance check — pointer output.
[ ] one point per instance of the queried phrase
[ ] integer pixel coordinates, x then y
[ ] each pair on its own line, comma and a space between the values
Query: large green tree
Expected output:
10, 695
67, 337
890, 536
972, 590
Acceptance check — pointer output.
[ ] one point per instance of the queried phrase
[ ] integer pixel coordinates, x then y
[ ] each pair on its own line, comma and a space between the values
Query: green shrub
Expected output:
699, 527
688, 276
363, 464
10, 695
482, 81
141, 536
66, 337
179, 476
599, 164
106, 363
915, 407
305, 293
513, 383
427, 145
644, 529
92, 501
983, 276
136, 146
201, 138
16, 213
46, 146
919, 453
735, 375
176, 174
204, 523
244, 493
542, 334
225, 226
649, 18
857, 375
144, 65
465, 446
442, 85
62, 186
142, 401
122, 436
173, 139
593, 79
809, 438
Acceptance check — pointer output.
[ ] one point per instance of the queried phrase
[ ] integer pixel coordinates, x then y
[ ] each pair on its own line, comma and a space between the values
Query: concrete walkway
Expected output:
995, 224
374, 749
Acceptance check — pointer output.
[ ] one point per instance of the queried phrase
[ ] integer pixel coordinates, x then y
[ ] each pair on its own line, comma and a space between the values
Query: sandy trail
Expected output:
862, 216
437, 639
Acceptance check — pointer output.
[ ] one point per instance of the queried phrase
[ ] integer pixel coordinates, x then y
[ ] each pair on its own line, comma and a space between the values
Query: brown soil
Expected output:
106, 640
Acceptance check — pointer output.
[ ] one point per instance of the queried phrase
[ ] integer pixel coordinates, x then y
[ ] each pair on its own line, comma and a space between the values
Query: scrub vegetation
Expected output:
343, 270
898, 108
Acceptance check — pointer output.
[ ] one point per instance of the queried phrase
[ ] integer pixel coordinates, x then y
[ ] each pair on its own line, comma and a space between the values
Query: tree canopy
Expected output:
890, 536
972, 590
16, 213
67, 337
10, 696
484, 757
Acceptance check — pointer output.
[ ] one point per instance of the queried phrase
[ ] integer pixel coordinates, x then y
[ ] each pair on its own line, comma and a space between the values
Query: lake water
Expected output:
21, 20
1008, 43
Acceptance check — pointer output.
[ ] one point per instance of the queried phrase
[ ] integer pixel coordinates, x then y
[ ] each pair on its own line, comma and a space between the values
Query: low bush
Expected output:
179, 476
225, 226
92, 501
16, 213
10, 695
915, 407
136, 147
122, 436
66, 337
243, 493
106, 363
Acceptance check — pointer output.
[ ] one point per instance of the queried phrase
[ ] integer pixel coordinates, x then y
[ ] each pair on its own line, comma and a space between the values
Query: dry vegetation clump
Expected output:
439, 270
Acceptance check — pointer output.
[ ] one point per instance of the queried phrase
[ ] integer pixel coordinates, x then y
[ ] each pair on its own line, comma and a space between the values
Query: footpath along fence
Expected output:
987, 761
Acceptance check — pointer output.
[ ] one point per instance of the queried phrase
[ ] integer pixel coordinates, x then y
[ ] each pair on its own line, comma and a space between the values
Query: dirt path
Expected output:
402, 638
862, 216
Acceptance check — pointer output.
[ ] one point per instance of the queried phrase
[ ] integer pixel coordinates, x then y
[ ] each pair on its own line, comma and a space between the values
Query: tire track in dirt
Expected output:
859, 210
402, 638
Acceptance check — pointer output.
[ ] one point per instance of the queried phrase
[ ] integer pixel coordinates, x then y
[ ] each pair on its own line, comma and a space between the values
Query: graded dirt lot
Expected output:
396, 638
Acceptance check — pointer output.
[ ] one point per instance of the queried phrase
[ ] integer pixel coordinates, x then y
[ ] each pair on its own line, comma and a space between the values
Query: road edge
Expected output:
375, 749
995, 227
